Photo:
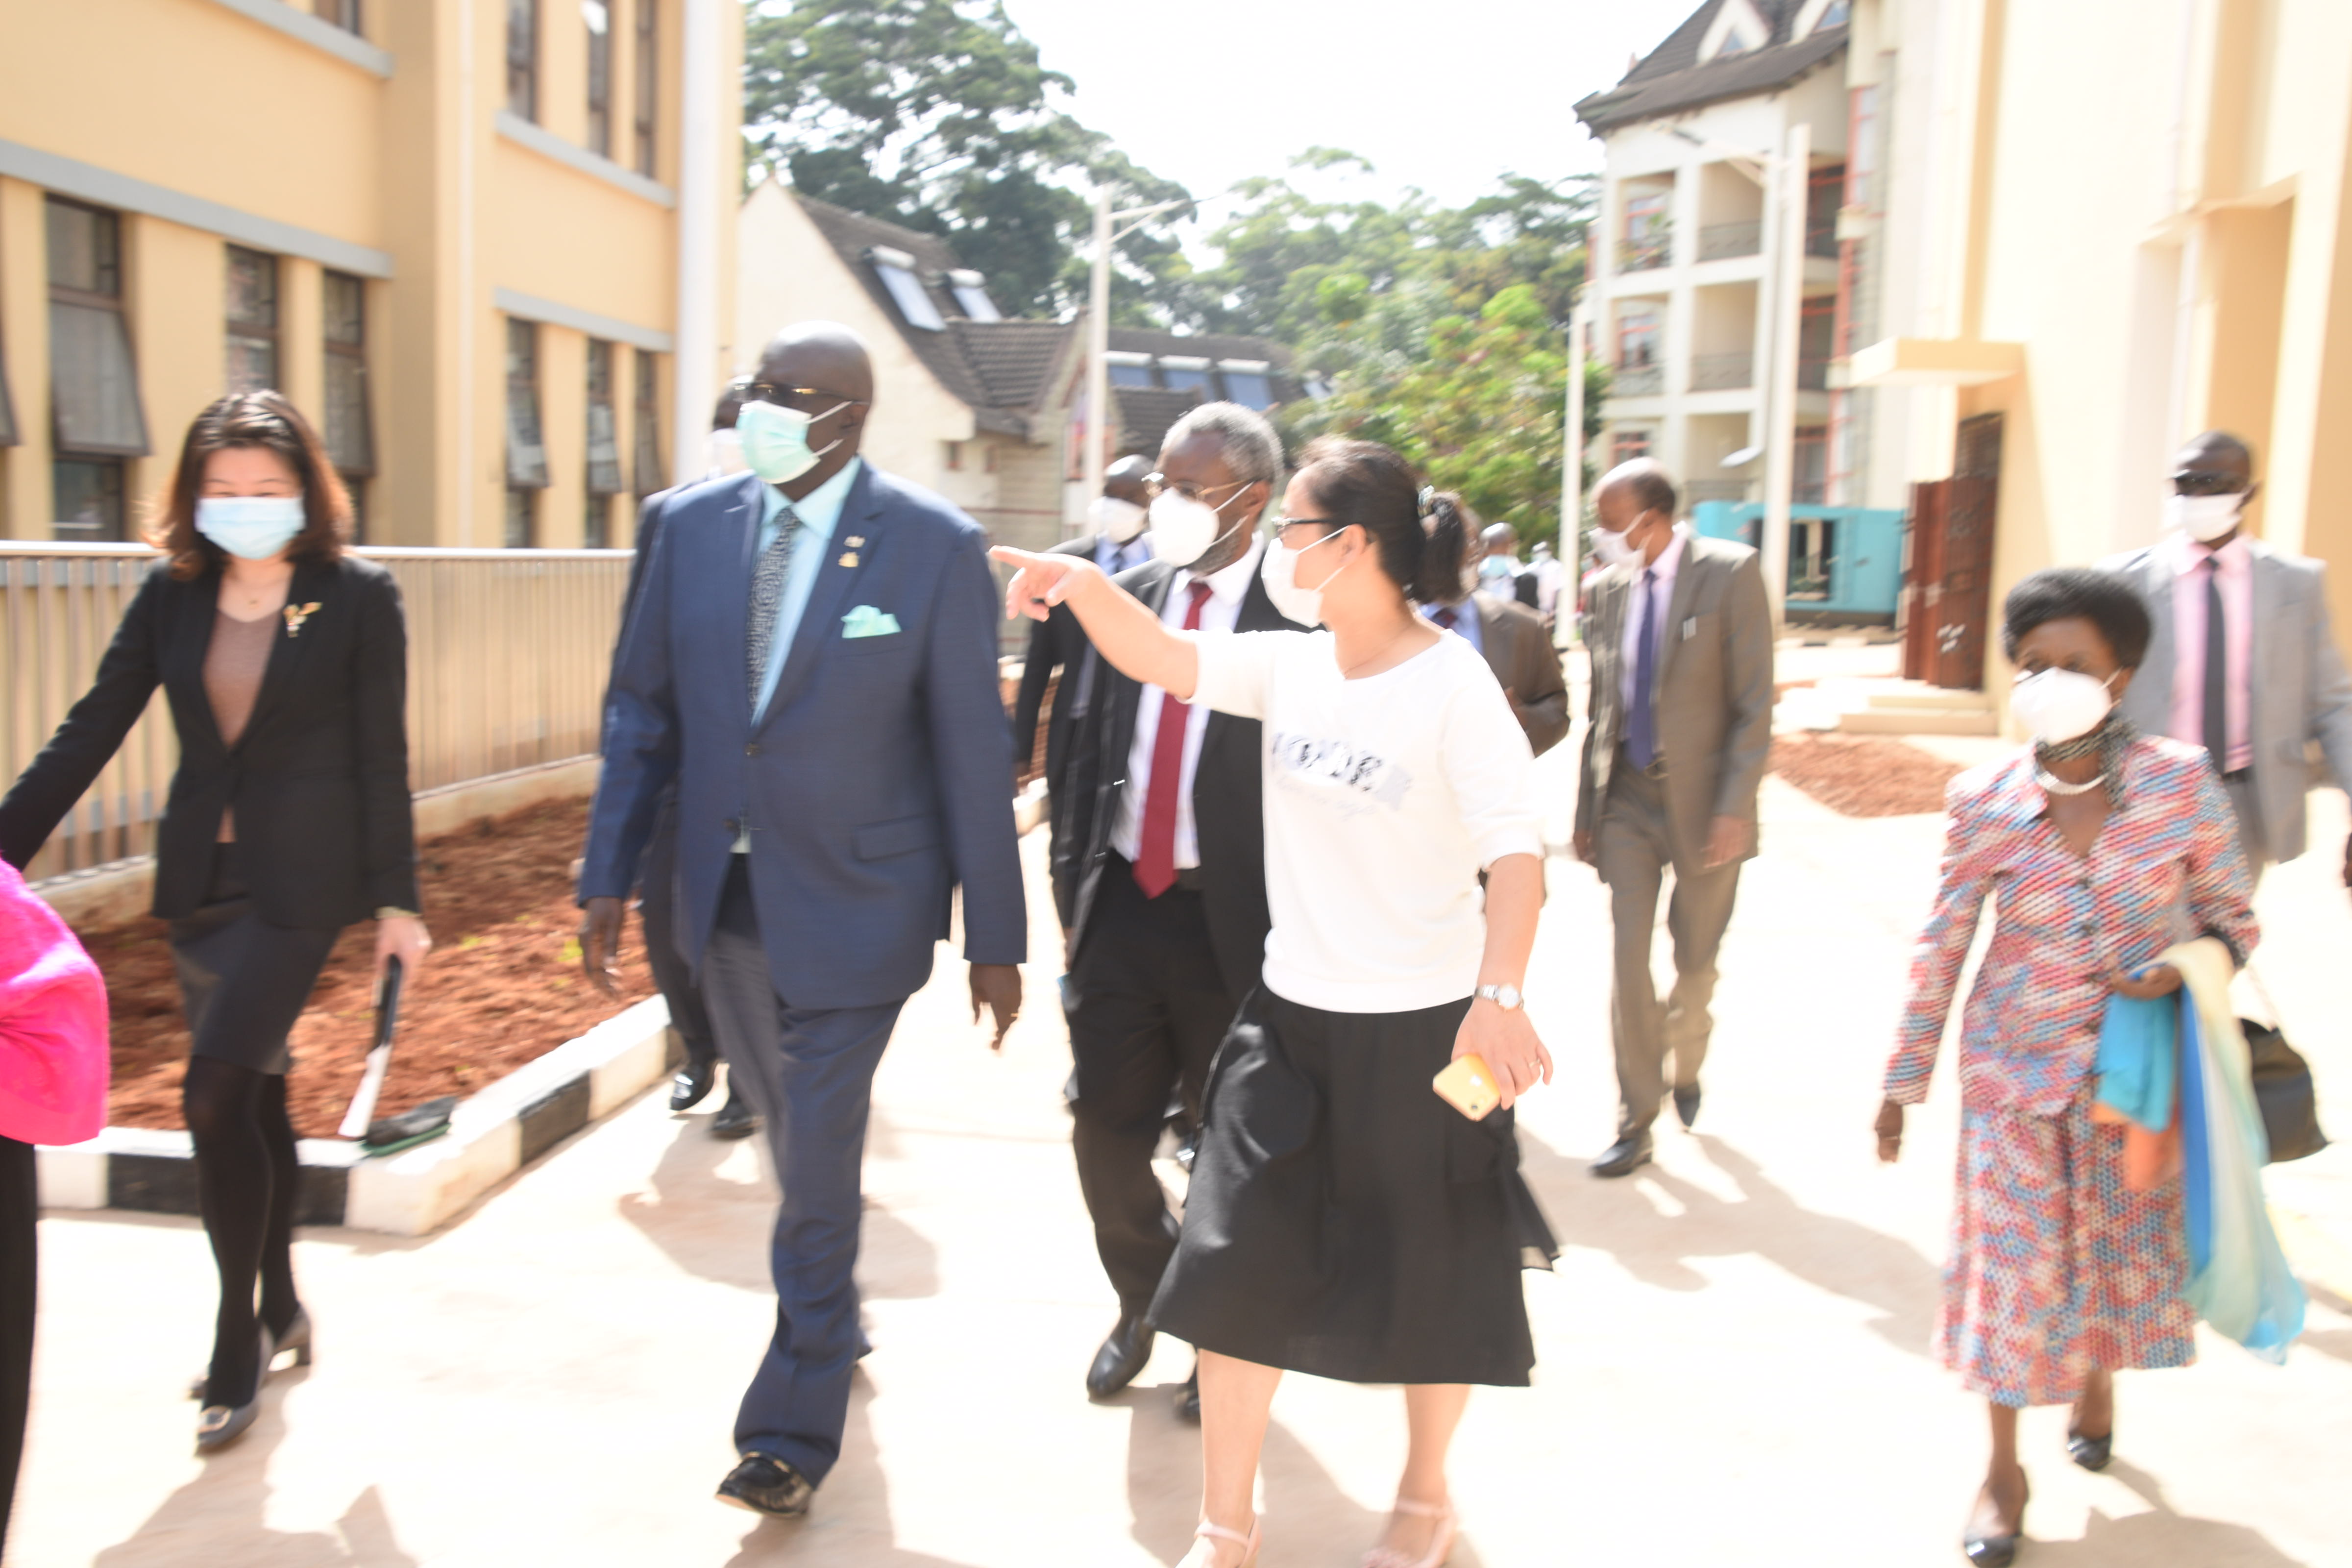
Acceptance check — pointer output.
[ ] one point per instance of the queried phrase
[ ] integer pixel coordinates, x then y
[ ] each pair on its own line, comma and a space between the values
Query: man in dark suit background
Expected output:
1120, 540
658, 895
812, 656
1168, 929
1516, 646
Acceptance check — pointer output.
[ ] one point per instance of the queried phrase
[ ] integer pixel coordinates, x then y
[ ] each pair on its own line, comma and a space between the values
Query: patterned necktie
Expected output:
1155, 856
768, 574
2217, 670
1641, 723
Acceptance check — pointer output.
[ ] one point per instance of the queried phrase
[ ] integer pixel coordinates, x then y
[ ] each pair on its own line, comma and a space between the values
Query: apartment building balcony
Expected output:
1697, 490
1722, 373
1638, 381
1646, 254
1726, 241
1812, 375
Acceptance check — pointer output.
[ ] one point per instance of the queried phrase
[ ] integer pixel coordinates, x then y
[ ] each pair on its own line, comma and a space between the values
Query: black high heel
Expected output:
2091, 1453
219, 1425
1998, 1551
296, 1339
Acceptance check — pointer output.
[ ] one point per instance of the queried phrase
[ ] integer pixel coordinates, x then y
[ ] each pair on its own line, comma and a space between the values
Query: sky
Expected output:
1446, 96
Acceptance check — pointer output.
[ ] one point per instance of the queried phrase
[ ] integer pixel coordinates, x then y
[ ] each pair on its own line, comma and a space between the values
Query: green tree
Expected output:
937, 115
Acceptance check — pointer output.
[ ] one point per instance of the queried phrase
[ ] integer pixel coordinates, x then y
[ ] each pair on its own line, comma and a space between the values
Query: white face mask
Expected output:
1121, 520
2059, 705
2204, 518
724, 454
1185, 530
1611, 549
1280, 574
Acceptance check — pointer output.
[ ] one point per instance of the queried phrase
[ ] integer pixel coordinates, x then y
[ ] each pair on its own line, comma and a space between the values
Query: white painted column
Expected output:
695, 361
1788, 274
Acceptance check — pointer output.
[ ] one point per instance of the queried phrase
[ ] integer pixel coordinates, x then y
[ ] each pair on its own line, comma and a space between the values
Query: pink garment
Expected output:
53, 1035
2237, 562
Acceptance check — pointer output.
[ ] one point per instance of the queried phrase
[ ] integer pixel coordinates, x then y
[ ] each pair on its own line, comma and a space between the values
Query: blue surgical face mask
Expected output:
253, 528
775, 440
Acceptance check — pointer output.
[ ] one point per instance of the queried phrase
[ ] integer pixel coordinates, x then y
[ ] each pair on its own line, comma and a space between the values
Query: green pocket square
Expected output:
865, 621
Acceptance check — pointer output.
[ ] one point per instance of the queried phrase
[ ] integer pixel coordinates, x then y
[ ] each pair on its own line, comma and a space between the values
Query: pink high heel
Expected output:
1441, 1540
1248, 1544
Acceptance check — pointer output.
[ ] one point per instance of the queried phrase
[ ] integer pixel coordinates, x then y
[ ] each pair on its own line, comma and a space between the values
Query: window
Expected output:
8, 437
1185, 373
1624, 446
599, 17
523, 58
252, 320
1128, 369
526, 453
955, 457
1824, 190
1637, 339
350, 439
1808, 475
1246, 382
1837, 14
645, 98
1816, 331
1647, 230
603, 447
897, 270
93, 383
971, 296
644, 422
343, 13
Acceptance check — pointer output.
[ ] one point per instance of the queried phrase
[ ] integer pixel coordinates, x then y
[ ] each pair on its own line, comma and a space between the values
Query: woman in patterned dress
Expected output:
2105, 846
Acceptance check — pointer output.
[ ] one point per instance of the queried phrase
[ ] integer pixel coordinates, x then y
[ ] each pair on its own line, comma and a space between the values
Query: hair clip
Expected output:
1426, 502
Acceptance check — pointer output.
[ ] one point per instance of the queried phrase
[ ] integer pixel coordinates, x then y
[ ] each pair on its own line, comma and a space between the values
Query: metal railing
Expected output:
1720, 241
508, 651
1638, 381
1722, 373
1651, 250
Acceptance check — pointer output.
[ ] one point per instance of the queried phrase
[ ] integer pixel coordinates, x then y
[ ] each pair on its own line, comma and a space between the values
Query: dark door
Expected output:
1948, 584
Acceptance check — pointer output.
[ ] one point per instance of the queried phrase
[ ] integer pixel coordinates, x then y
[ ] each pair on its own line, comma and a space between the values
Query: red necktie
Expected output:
1155, 860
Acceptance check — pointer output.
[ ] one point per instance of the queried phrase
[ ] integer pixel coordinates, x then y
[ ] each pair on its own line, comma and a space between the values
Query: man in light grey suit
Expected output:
1682, 719
2244, 661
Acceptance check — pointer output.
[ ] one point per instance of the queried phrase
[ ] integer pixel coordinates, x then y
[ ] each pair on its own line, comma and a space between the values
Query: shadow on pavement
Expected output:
217, 1517
2158, 1536
1840, 1256
849, 1524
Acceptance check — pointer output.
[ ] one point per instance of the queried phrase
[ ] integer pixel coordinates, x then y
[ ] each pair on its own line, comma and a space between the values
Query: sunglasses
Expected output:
803, 399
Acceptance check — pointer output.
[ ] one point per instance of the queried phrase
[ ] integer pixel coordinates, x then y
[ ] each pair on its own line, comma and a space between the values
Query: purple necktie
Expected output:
1641, 723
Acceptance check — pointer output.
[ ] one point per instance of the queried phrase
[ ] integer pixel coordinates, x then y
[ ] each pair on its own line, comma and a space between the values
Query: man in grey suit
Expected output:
1682, 719
812, 657
2244, 661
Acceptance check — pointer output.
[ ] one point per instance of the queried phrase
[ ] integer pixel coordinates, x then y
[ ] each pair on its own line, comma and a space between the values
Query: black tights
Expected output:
247, 1177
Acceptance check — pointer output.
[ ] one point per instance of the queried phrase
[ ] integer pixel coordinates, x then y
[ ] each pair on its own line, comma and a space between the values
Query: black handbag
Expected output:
2283, 1090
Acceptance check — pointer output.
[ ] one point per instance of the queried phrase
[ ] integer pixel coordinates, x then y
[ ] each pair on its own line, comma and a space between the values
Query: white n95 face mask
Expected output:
2060, 705
2204, 518
1121, 520
1185, 530
1280, 575
775, 440
1611, 549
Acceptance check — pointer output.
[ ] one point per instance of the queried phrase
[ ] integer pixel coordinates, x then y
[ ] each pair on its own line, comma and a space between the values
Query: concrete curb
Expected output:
492, 1135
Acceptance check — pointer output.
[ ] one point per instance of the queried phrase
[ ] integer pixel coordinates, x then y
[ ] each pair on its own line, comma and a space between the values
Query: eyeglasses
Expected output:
802, 399
1283, 525
1190, 491
2206, 482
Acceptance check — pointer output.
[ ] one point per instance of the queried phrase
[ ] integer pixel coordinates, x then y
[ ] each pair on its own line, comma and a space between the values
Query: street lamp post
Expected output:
1571, 476
1098, 329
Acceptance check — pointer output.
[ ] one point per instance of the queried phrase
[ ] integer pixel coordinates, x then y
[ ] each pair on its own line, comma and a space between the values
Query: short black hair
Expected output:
2077, 593
1652, 492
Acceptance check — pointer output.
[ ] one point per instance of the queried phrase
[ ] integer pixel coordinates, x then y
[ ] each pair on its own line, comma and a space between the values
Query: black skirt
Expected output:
243, 982
1343, 1220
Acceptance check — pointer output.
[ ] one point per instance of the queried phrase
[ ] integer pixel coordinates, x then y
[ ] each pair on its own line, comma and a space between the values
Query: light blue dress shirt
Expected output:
818, 512
1465, 622
1115, 558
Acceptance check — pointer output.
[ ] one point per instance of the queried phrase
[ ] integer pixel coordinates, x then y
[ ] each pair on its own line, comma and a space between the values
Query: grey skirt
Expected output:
243, 982
1343, 1220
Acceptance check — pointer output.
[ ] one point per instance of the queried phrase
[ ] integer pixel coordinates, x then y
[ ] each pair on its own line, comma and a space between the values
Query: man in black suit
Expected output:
1169, 919
1118, 541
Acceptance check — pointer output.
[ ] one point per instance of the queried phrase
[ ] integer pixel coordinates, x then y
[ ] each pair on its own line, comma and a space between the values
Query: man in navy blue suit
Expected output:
812, 658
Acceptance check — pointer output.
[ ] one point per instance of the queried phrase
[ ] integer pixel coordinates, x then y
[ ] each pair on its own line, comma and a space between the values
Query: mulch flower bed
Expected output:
1861, 776
501, 986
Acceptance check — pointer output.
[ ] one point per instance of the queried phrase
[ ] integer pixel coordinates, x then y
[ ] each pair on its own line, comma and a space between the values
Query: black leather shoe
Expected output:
1626, 1156
1120, 1359
2091, 1453
692, 1082
736, 1119
768, 1486
1686, 1104
1187, 1398
1994, 1551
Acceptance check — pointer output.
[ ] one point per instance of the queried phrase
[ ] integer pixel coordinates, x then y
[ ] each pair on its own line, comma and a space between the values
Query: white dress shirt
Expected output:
1661, 573
1227, 588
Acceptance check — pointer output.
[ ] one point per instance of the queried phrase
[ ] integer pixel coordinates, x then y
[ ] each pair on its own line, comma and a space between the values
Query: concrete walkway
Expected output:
1733, 1352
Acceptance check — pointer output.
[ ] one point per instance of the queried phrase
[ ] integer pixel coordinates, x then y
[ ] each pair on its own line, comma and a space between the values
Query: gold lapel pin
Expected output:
297, 615
849, 557
854, 541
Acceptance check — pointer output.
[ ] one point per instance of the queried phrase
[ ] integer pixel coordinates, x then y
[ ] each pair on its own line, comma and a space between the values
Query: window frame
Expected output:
1654, 333
107, 302
350, 446
646, 97
599, 74
604, 478
344, 14
522, 58
261, 337
526, 464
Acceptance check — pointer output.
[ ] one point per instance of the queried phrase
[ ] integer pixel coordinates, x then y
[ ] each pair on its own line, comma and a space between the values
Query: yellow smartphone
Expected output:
1468, 1086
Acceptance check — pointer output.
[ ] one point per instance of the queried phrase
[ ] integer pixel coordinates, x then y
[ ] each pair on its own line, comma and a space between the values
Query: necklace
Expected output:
2057, 785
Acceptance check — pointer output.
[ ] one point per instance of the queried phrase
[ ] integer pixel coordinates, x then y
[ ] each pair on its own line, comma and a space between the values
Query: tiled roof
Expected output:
1013, 360
1669, 78
1145, 413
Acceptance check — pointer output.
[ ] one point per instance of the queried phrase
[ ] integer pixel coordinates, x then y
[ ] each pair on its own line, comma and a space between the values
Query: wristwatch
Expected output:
1507, 997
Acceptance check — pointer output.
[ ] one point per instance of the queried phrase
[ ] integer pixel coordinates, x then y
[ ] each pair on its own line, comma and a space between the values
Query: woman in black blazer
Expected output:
285, 663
